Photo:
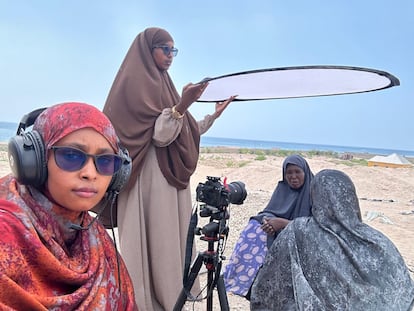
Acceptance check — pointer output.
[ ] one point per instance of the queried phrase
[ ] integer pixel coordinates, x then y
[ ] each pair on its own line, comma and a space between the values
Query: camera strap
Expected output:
189, 246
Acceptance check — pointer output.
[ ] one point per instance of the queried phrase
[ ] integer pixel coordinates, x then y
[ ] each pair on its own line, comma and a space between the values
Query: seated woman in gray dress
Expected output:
290, 199
332, 260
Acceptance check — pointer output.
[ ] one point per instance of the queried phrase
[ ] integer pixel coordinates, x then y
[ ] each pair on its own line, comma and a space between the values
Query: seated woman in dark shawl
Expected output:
332, 260
290, 199
53, 256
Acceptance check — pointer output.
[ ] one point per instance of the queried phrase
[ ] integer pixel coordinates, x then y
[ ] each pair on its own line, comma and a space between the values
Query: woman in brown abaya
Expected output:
153, 122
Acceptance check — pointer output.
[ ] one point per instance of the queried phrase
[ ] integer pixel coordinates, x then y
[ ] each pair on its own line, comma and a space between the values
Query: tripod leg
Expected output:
210, 290
179, 304
221, 289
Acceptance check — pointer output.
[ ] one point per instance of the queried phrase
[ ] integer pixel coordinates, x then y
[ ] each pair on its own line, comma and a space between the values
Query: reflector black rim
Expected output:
393, 81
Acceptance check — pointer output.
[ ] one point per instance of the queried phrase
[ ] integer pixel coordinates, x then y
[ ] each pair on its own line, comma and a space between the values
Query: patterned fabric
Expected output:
332, 260
247, 257
39, 270
60, 120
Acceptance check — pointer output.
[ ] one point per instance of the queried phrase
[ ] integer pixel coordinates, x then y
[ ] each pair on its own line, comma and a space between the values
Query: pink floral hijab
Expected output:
60, 120
43, 265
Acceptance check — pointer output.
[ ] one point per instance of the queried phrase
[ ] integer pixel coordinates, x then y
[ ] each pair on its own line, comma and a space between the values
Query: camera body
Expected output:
215, 194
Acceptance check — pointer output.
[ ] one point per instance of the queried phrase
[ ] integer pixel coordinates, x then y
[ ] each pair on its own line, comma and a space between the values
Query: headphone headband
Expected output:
28, 120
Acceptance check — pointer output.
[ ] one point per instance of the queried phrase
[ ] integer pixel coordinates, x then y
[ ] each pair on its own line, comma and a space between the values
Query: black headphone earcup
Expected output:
27, 158
121, 177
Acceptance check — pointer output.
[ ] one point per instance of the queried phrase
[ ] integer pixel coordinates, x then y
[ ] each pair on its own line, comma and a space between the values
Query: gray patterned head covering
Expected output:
332, 260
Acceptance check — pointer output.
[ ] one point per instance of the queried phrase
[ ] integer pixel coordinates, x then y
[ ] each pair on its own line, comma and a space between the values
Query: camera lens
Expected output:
237, 192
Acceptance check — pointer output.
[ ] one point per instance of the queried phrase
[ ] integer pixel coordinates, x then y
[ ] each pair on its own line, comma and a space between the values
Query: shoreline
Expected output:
207, 141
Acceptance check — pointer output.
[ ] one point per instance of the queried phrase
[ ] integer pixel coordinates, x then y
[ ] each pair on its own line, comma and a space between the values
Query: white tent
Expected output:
393, 160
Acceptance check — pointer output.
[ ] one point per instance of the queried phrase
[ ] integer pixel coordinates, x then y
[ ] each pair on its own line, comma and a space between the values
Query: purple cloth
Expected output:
247, 257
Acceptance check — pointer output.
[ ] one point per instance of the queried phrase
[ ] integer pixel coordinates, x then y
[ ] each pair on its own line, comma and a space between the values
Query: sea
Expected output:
263, 144
8, 130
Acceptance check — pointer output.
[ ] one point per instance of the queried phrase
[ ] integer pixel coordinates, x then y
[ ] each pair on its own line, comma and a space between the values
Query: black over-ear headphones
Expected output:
27, 157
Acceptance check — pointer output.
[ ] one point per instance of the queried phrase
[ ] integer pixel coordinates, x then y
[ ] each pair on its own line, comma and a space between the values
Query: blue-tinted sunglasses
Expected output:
72, 159
167, 50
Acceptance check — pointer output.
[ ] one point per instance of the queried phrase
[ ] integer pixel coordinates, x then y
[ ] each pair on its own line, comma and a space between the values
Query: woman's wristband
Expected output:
176, 114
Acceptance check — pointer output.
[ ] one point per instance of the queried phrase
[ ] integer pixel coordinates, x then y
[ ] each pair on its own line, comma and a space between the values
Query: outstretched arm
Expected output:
221, 106
207, 122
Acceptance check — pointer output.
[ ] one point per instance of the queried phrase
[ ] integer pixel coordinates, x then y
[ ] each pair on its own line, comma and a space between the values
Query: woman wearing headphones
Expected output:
53, 255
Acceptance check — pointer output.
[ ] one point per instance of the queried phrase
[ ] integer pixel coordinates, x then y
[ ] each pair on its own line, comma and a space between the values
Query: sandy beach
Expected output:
386, 196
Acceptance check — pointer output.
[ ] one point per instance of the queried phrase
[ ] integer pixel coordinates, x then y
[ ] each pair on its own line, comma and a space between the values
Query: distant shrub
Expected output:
260, 157
363, 162
262, 154
232, 163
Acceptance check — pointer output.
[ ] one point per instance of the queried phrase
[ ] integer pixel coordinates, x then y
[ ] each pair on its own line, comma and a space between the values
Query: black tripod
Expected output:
213, 232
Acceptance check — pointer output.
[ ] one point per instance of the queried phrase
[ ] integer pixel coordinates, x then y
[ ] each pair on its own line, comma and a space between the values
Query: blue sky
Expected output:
56, 51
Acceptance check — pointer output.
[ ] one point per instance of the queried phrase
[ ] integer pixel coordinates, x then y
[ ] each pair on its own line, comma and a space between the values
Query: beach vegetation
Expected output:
236, 164
3, 153
322, 153
244, 150
353, 162
218, 153
206, 150
216, 158
260, 157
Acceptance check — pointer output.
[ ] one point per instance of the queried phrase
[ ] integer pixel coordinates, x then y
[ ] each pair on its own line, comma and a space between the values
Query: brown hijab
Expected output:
138, 95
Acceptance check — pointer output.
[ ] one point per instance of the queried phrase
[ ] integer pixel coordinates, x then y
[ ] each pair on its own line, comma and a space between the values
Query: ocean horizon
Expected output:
8, 130
207, 141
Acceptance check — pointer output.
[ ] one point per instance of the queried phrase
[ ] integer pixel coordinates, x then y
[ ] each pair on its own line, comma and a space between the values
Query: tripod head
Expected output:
217, 228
